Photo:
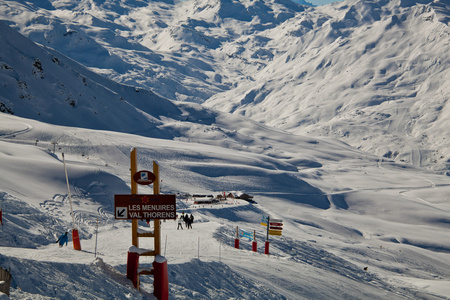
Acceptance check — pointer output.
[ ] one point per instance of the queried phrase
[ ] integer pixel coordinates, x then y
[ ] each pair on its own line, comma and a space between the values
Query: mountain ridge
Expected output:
309, 70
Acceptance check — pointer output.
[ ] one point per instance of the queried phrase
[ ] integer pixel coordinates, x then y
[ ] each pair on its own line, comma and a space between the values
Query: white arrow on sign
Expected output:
121, 212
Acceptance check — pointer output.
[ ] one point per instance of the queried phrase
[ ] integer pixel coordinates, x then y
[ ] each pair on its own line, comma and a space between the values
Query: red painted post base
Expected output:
76, 239
254, 246
161, 278
132, 267
236, 243
266, 248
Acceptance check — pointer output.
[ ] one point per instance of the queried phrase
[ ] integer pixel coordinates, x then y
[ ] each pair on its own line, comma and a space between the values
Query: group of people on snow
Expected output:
188, 220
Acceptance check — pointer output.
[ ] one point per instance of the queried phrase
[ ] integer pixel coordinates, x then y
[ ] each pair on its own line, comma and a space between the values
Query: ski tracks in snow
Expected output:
10, 128
302, 256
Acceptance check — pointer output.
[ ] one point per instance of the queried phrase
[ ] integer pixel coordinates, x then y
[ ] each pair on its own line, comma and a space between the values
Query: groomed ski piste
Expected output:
355, 226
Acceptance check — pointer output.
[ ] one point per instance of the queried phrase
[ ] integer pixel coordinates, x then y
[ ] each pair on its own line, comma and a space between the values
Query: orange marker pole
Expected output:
75, 236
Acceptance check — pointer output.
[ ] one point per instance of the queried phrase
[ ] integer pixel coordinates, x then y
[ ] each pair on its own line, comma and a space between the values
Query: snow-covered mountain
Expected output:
320, 70
38, 84
379, 64
228, 96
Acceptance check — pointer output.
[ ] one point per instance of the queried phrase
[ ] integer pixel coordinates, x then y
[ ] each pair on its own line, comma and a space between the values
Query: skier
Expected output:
189, 221
180, 223
63, 239
186, 220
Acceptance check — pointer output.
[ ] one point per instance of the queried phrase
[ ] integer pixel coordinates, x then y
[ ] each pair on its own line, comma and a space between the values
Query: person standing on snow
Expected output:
191, 220
186, 221
180, 222
63, 239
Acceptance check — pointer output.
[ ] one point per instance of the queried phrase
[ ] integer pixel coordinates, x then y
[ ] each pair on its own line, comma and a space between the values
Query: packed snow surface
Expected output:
355, 225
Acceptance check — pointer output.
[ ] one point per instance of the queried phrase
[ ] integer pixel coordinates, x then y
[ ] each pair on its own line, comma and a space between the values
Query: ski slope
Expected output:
343, 212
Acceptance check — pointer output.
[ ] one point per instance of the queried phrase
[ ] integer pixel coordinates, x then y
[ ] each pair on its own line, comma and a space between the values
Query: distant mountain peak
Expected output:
328, 70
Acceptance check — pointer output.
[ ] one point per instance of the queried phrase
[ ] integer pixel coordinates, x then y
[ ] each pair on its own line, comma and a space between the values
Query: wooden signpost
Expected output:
154, 207
274, 227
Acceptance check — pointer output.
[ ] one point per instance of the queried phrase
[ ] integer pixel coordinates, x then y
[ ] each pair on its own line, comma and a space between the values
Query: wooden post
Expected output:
134, 191
133, 258
157, 223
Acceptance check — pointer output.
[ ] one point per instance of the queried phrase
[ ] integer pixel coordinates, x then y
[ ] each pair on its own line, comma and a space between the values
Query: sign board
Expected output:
275, 224
264, 220
275, 227
275, 232
144, 177
143, 207
246, 234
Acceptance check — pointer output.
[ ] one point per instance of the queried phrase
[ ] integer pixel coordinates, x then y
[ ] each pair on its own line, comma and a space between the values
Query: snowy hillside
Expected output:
368, 223
374, 64
310, 70
355, 225
39, 84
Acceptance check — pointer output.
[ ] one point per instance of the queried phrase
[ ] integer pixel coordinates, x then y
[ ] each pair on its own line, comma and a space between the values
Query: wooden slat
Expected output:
150, 253
145, 234
146, 272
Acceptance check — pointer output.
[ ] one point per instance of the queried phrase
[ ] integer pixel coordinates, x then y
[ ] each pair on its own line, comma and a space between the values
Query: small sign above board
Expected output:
144, 177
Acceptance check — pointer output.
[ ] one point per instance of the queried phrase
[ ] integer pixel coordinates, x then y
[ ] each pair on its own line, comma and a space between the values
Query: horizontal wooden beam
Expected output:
146, 271
150, 253
145, 234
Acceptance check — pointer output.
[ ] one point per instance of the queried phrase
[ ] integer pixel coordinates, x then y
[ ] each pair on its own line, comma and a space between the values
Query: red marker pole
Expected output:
254, 245
161, 278
236, 241
132, 268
